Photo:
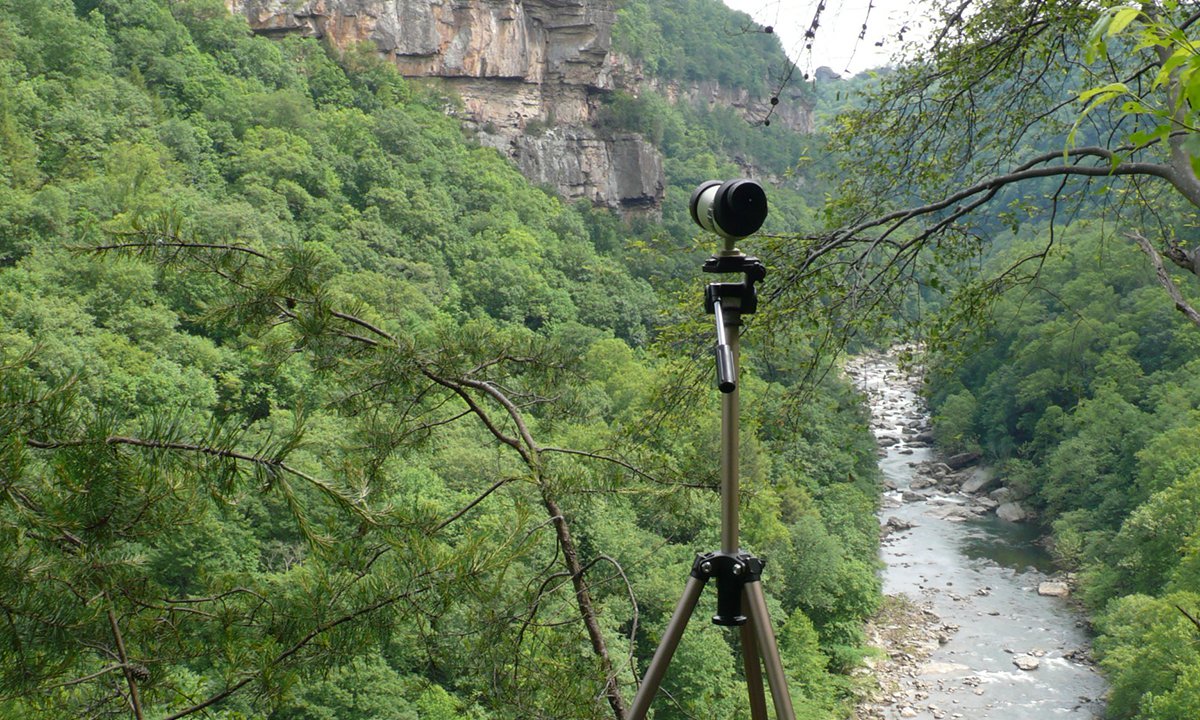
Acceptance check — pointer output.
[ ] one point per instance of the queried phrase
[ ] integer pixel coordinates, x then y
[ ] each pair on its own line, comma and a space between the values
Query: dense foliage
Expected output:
1084, 390
309, 408
700, 40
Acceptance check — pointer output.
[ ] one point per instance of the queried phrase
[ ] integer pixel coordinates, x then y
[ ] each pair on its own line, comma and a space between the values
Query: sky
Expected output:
837, 44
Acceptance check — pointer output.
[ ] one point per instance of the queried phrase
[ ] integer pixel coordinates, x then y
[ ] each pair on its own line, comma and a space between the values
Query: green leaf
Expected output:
1135, 107
1113, 89
1121, 19
1179, 57
1143, 137
1100, 28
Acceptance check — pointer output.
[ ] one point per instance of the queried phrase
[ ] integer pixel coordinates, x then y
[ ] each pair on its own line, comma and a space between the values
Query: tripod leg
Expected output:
760, 619
666, 648
754, 680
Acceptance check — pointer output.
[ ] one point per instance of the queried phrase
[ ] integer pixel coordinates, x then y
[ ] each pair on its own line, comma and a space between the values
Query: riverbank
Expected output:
968, 629
905, 634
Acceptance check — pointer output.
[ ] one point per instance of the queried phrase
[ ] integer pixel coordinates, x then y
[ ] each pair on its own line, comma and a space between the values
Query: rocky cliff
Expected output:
531, 75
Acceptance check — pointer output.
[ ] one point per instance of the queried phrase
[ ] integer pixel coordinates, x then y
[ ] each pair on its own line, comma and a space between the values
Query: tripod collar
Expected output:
732, 571
754, 268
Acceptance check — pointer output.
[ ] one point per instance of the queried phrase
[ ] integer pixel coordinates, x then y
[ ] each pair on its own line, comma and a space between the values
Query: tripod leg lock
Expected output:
732, 572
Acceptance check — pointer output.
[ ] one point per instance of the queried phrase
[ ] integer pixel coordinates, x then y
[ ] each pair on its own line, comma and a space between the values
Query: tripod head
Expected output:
733, 209
727, 302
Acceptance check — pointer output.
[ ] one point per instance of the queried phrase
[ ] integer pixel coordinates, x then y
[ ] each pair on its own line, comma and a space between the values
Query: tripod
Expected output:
736, 571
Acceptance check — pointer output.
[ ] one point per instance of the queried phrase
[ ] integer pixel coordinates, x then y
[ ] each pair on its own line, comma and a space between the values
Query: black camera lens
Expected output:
740, 208
733, 209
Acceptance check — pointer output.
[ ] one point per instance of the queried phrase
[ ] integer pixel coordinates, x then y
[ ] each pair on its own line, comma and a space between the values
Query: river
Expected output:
979, 576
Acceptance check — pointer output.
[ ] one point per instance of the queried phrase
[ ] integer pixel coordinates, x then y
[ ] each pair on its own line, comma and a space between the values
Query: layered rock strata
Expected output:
530, 74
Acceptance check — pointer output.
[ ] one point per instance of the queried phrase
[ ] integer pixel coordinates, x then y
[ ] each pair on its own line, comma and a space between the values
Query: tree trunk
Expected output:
583, 598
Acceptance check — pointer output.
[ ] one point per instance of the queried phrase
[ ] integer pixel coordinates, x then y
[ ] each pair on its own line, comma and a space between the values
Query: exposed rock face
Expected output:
623, 166
514, 63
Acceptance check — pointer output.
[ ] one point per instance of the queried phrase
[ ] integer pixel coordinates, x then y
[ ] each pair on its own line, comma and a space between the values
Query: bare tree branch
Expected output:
135, 700
1164, 279
1189, 616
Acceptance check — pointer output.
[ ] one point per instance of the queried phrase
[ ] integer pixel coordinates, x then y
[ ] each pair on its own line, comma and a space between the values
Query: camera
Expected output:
733, 209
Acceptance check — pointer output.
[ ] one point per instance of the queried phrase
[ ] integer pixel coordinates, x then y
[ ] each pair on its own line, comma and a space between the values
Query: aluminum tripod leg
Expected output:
760, 621
754, 679
666, 648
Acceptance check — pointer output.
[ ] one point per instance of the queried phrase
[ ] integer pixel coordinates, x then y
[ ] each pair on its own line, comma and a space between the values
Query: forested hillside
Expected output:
311, 408
1084, 391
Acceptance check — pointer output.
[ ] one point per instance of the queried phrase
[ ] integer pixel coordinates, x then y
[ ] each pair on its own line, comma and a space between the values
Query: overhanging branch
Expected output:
1164, 279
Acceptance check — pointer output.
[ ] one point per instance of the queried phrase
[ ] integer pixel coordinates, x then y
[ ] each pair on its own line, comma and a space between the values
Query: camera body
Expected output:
733, 209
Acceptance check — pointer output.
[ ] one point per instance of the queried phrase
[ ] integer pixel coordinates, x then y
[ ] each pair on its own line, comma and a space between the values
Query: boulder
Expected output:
980, 480
939, 470
1002, 495
953, 513
986, 503
949, 484
920, 482
1012, 512
895, 524
1054, 588
1026, 662
962, 460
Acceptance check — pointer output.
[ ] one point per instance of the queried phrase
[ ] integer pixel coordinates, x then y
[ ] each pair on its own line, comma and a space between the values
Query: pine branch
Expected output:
156, 240
271, 464
297, 647
478, 499
628, 466
86, 678
363, 324
1189, 616
160, 240
583, 599
482, 414
530, 453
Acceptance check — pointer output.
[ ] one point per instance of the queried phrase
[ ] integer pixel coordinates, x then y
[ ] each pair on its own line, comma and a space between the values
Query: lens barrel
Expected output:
733, 209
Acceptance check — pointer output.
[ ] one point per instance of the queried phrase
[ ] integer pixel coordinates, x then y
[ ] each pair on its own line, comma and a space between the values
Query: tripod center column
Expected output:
730, 421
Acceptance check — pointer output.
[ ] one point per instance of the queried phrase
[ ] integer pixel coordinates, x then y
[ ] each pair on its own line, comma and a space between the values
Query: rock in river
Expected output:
981, 480
1012, 512
962, 460
1054, 589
